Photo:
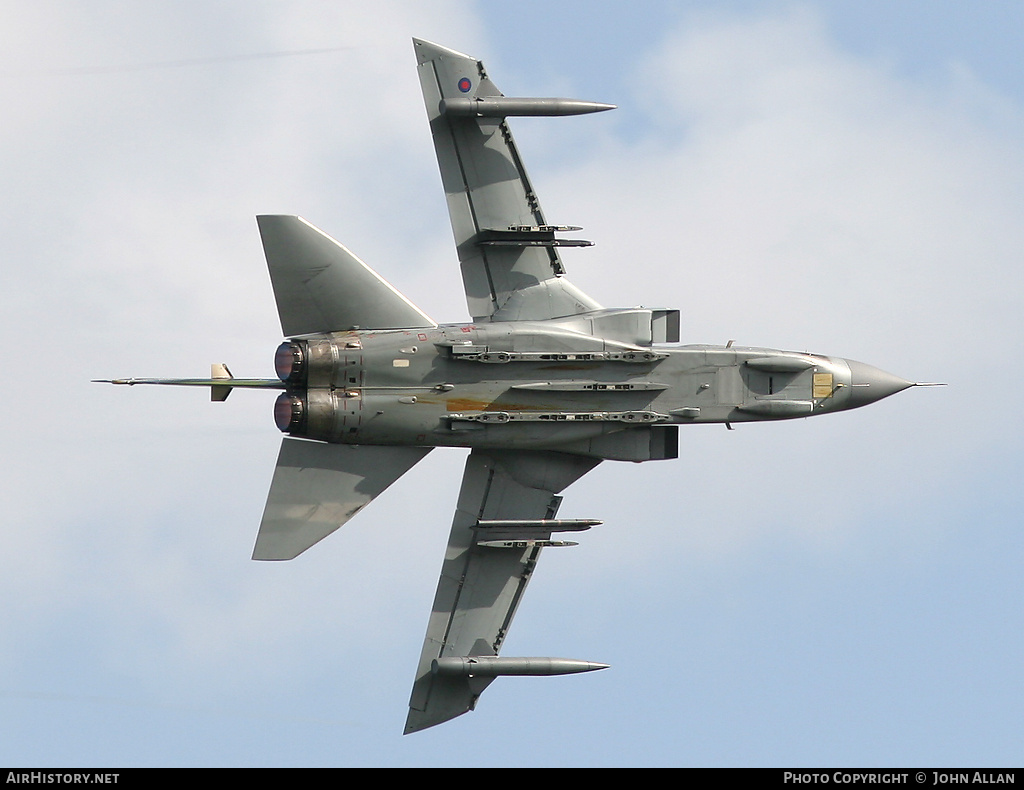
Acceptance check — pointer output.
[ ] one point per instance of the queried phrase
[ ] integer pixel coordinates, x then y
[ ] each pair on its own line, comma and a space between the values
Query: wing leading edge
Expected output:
511, 269
481, 585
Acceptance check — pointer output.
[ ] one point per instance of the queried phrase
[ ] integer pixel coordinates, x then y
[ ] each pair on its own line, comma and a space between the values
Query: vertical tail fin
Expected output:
320, 286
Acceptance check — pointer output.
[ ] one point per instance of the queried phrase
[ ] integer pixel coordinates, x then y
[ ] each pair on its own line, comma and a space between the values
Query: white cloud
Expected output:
130, 248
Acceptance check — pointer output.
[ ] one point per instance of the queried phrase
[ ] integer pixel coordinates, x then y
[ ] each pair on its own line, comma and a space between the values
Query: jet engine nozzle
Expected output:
290, 362
289, 412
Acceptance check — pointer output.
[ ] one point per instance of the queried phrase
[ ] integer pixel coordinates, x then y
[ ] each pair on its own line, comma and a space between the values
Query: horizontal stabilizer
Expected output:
317, 487
322, 287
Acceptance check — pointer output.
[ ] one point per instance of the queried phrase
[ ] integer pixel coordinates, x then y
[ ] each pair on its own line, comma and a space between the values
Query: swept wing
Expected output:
511, 269
481, 585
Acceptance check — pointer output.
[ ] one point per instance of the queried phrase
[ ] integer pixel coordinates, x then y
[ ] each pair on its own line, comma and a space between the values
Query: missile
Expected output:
550, 524
526, 543
780, 364
503, 106
493, 666
778, 408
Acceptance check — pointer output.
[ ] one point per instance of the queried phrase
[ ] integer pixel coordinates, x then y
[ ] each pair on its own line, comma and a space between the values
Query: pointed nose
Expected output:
869, 384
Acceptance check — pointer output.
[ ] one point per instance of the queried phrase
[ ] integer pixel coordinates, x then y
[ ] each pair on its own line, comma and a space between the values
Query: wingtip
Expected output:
428, 50
418, 720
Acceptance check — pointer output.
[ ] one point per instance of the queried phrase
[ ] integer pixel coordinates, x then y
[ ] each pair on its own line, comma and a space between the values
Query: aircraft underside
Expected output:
542, 386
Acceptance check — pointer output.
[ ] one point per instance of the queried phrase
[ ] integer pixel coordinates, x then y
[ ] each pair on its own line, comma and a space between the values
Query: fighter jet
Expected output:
542, 385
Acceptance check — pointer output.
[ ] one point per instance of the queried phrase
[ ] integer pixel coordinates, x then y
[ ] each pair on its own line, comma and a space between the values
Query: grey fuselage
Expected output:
594, 384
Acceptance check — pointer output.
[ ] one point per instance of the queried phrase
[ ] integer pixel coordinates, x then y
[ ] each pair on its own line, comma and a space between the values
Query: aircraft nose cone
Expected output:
869, 384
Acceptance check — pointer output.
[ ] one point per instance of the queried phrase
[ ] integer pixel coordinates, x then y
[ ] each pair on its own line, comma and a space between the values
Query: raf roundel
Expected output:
465, 85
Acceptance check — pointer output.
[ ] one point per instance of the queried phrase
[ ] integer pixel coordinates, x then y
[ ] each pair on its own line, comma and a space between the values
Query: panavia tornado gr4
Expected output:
542, 385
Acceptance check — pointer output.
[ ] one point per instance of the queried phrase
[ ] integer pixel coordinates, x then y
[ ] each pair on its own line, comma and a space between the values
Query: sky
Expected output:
838, 177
